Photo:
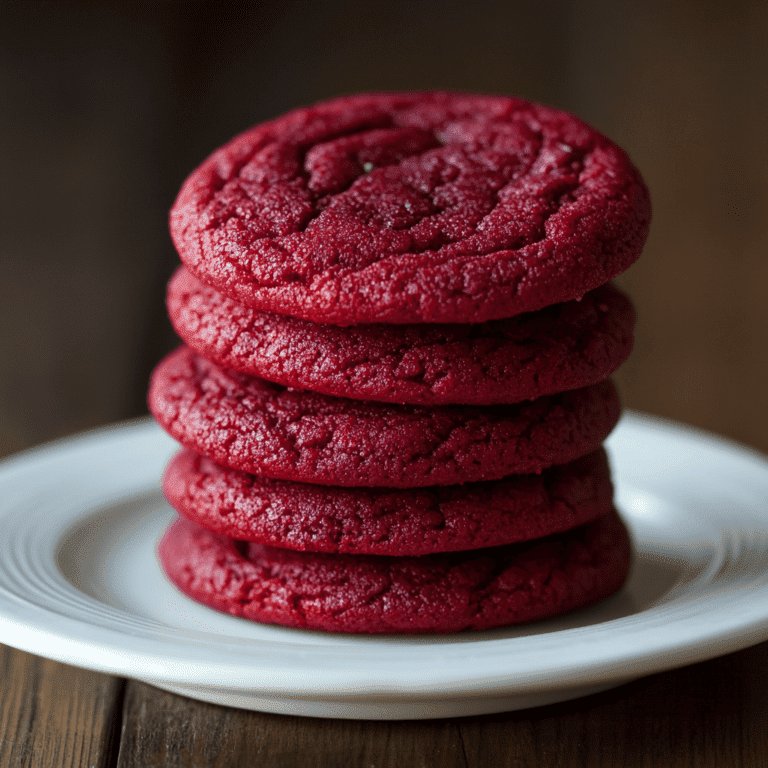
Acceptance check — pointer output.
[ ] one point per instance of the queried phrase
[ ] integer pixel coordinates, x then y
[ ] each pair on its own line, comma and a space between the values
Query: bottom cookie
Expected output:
377, 594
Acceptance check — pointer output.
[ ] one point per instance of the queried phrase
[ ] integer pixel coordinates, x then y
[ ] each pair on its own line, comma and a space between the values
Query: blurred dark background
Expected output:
106, 107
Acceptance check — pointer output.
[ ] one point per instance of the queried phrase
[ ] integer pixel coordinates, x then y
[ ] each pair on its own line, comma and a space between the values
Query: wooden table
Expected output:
680, 85
713, 714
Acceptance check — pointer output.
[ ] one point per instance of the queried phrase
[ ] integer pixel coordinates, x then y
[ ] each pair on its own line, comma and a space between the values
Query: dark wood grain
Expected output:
708, 715
684, 88
55, 716
161, 729
713, 714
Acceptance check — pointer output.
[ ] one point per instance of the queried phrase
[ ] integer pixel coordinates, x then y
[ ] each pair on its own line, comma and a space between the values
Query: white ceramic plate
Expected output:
79, 582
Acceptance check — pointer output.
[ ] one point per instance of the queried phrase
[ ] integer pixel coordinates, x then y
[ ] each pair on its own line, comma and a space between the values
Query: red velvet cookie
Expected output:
247, 423
368, 593
382, 521
412, 208
562, 347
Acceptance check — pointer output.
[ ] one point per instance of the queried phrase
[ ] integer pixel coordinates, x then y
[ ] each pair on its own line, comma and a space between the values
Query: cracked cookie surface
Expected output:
256, 426
562, 347
384, 521
372, 594
412, 208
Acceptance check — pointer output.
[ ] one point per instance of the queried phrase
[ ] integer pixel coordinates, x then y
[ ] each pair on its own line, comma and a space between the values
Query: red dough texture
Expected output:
382, 521
412, 208
559, 348
247, 423
365, 593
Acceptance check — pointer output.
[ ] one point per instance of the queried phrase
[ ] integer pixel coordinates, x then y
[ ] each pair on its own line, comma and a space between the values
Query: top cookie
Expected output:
412, 208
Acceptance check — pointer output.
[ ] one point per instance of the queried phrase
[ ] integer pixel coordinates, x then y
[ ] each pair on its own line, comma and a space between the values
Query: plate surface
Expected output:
80, 583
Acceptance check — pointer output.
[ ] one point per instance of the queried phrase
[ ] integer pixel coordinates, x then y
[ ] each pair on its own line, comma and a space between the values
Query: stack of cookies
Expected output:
394, 387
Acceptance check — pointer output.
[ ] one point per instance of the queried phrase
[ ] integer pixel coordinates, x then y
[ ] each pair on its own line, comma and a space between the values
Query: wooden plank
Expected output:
709, 714
683, 87
53, 715
161, 729
706, 715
